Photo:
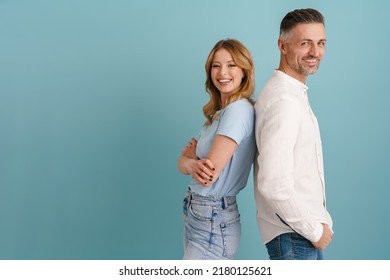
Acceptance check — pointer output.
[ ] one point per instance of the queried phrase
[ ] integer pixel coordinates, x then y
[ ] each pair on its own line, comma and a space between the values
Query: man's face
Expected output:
303, 50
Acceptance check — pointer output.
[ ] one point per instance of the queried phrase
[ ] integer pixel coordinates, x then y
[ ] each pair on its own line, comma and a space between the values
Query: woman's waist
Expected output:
212, 200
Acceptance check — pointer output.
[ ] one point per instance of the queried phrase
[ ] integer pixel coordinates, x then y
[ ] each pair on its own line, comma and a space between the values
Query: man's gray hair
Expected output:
299, 16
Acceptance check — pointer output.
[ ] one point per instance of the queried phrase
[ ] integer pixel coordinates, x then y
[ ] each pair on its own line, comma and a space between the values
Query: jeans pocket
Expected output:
274, 248
303, 249
231, 233
201, 212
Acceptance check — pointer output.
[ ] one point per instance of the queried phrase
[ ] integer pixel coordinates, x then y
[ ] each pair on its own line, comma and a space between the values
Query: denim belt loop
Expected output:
225, 202
189, 198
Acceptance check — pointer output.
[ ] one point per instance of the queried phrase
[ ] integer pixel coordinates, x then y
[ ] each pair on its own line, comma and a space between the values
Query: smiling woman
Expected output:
220, 158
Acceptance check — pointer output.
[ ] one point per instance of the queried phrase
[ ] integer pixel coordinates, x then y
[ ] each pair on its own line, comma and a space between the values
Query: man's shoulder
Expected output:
274, 92
277, 88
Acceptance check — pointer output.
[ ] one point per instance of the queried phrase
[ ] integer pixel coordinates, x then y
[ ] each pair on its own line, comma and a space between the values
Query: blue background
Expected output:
98, 98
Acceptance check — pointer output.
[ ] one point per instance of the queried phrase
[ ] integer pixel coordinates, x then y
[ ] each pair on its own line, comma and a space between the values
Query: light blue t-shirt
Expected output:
236, 121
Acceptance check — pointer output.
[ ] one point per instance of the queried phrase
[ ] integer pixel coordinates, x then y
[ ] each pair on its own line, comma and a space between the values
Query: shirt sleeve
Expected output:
279, 132
237, 121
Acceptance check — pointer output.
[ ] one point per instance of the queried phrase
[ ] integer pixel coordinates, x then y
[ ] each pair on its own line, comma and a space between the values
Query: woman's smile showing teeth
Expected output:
224, 81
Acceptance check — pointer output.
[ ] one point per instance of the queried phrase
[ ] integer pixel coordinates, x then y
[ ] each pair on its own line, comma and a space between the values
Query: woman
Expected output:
219, 159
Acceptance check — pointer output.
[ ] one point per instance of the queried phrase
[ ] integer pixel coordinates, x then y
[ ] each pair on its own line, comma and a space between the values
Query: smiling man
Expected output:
289, 176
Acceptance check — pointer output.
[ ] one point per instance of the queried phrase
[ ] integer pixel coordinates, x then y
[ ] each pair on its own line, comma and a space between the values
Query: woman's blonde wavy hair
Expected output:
243, 59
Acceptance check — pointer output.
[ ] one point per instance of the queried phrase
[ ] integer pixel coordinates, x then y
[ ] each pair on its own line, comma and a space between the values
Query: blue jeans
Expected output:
212, 227
292, 246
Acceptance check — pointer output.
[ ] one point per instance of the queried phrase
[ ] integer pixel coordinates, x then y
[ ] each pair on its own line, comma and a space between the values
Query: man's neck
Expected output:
288, 71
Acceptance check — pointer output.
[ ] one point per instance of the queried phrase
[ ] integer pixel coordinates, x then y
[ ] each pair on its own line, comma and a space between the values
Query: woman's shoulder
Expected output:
240, 104
241, 109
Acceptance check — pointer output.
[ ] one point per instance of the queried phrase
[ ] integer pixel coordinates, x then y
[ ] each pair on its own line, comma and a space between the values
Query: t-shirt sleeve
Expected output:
237, 121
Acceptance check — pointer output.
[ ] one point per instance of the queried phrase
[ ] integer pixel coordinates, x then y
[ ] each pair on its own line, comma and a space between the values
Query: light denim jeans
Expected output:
292, 246
212, 227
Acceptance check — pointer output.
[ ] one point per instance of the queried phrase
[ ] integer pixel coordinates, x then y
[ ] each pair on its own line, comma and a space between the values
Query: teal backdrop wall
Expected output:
98, 98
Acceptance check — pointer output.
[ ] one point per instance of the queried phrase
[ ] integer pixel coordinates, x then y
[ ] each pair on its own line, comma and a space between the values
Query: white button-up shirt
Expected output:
289, 172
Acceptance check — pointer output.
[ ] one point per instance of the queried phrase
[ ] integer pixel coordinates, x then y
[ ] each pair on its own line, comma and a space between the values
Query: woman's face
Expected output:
225, 74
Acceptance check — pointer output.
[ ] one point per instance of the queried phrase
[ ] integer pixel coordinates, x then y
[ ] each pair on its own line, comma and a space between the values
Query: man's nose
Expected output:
314, 50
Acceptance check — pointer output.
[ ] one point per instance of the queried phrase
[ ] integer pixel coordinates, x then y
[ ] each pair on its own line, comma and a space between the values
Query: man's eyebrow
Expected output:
311, 40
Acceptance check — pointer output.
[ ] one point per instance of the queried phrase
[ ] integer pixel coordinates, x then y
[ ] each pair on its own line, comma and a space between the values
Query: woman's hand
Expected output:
201, 170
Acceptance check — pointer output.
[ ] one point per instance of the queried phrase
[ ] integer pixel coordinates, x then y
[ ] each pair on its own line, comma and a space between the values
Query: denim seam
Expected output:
224, 227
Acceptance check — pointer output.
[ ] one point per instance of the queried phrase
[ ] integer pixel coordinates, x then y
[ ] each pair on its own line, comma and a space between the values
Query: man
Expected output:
289, 179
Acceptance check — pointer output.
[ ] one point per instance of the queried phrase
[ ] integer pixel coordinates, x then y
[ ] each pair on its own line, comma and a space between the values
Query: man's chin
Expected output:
310, 71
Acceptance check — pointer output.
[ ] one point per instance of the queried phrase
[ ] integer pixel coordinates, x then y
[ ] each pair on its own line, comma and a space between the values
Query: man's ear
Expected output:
282, 46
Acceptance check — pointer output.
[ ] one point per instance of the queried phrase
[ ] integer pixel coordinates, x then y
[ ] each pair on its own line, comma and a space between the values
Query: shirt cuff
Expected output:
316, 234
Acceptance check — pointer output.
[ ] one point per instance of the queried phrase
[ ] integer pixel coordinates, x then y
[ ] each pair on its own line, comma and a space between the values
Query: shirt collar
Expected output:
292, 81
